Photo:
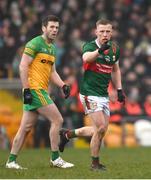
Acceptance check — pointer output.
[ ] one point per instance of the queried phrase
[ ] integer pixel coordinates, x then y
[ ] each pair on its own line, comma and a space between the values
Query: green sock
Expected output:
12, 157
95, 160
71, 134
55, 155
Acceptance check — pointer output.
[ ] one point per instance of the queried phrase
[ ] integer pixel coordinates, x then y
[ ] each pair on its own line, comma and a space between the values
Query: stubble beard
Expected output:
50, 38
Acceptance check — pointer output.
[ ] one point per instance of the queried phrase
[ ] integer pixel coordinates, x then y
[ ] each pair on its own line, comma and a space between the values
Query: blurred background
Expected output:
20, 21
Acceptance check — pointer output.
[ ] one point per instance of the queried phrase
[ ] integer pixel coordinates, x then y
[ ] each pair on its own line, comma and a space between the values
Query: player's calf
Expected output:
63, 139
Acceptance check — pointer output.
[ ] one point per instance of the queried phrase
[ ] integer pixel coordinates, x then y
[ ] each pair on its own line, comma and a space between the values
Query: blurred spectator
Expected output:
147, 105
71, 109
4, 142
41, 133
115, 108
16, 62
132, 106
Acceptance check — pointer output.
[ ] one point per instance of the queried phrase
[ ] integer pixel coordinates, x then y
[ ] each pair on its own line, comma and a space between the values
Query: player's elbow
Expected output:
21, 67
85, 58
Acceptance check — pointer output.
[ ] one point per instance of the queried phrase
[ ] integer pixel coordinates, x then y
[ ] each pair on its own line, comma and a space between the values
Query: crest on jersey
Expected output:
107, 58
44, 50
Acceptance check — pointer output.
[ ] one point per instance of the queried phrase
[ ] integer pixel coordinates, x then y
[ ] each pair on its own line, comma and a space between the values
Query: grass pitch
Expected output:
121, 163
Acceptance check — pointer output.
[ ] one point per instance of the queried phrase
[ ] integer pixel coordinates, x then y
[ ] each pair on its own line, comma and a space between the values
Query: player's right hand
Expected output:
66, 90
104, 47
27, 96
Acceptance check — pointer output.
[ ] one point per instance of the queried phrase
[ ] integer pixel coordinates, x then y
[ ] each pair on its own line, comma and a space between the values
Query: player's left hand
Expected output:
121, 96
66, 90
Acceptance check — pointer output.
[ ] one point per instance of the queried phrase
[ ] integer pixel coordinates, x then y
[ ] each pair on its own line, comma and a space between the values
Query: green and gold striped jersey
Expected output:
44, 56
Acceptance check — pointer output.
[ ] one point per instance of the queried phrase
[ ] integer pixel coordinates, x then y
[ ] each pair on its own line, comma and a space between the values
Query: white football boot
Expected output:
59, 162
14, 165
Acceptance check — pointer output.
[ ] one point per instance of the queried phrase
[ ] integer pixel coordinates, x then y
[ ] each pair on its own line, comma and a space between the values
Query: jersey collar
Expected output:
97, 43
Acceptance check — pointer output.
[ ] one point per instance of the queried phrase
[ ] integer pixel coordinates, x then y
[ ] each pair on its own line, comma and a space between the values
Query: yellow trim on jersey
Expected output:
41, 97
29, 51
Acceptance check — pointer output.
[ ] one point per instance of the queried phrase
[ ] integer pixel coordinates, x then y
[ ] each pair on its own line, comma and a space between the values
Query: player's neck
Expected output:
47, 41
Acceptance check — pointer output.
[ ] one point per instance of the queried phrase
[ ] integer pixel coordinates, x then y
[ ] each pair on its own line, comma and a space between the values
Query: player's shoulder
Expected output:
115, 45
90, 44
35, 40
115, 49
34, 43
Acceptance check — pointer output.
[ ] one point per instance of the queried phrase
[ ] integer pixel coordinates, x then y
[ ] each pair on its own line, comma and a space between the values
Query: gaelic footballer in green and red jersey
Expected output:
97, 74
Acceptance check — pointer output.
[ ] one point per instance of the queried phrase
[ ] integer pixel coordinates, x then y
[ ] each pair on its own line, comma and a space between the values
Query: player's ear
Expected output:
43, 28
112, 30
96, 32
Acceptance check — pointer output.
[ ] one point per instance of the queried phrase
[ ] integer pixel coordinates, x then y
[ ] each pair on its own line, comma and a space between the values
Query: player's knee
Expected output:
61, 120
101, 130
27, 128
58, 122
91, 132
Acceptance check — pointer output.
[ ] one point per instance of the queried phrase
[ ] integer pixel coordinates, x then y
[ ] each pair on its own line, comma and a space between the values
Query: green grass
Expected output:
121, 163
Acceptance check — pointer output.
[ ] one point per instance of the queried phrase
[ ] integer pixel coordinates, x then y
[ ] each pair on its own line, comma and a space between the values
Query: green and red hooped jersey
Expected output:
97, 74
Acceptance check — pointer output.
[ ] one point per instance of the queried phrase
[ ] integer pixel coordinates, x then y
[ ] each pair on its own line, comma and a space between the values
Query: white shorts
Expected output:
95, 103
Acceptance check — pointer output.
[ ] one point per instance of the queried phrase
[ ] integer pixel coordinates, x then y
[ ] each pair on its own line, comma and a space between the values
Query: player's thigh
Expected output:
107, 117
51, 112
99, 121
93, 104
97, 118
28, 120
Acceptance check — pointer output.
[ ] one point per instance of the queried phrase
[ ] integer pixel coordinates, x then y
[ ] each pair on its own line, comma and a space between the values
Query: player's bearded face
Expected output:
104, 32
51, 30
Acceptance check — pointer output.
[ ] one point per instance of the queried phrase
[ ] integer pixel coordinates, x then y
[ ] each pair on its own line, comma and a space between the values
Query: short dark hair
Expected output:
103, 21
48, 18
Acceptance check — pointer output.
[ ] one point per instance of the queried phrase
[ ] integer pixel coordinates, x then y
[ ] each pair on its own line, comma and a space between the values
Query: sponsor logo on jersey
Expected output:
97, 67
46, 61
103, 68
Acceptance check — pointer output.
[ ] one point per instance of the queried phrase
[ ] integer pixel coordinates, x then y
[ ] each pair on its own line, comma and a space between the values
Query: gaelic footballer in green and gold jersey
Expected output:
37, 67
44, 57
